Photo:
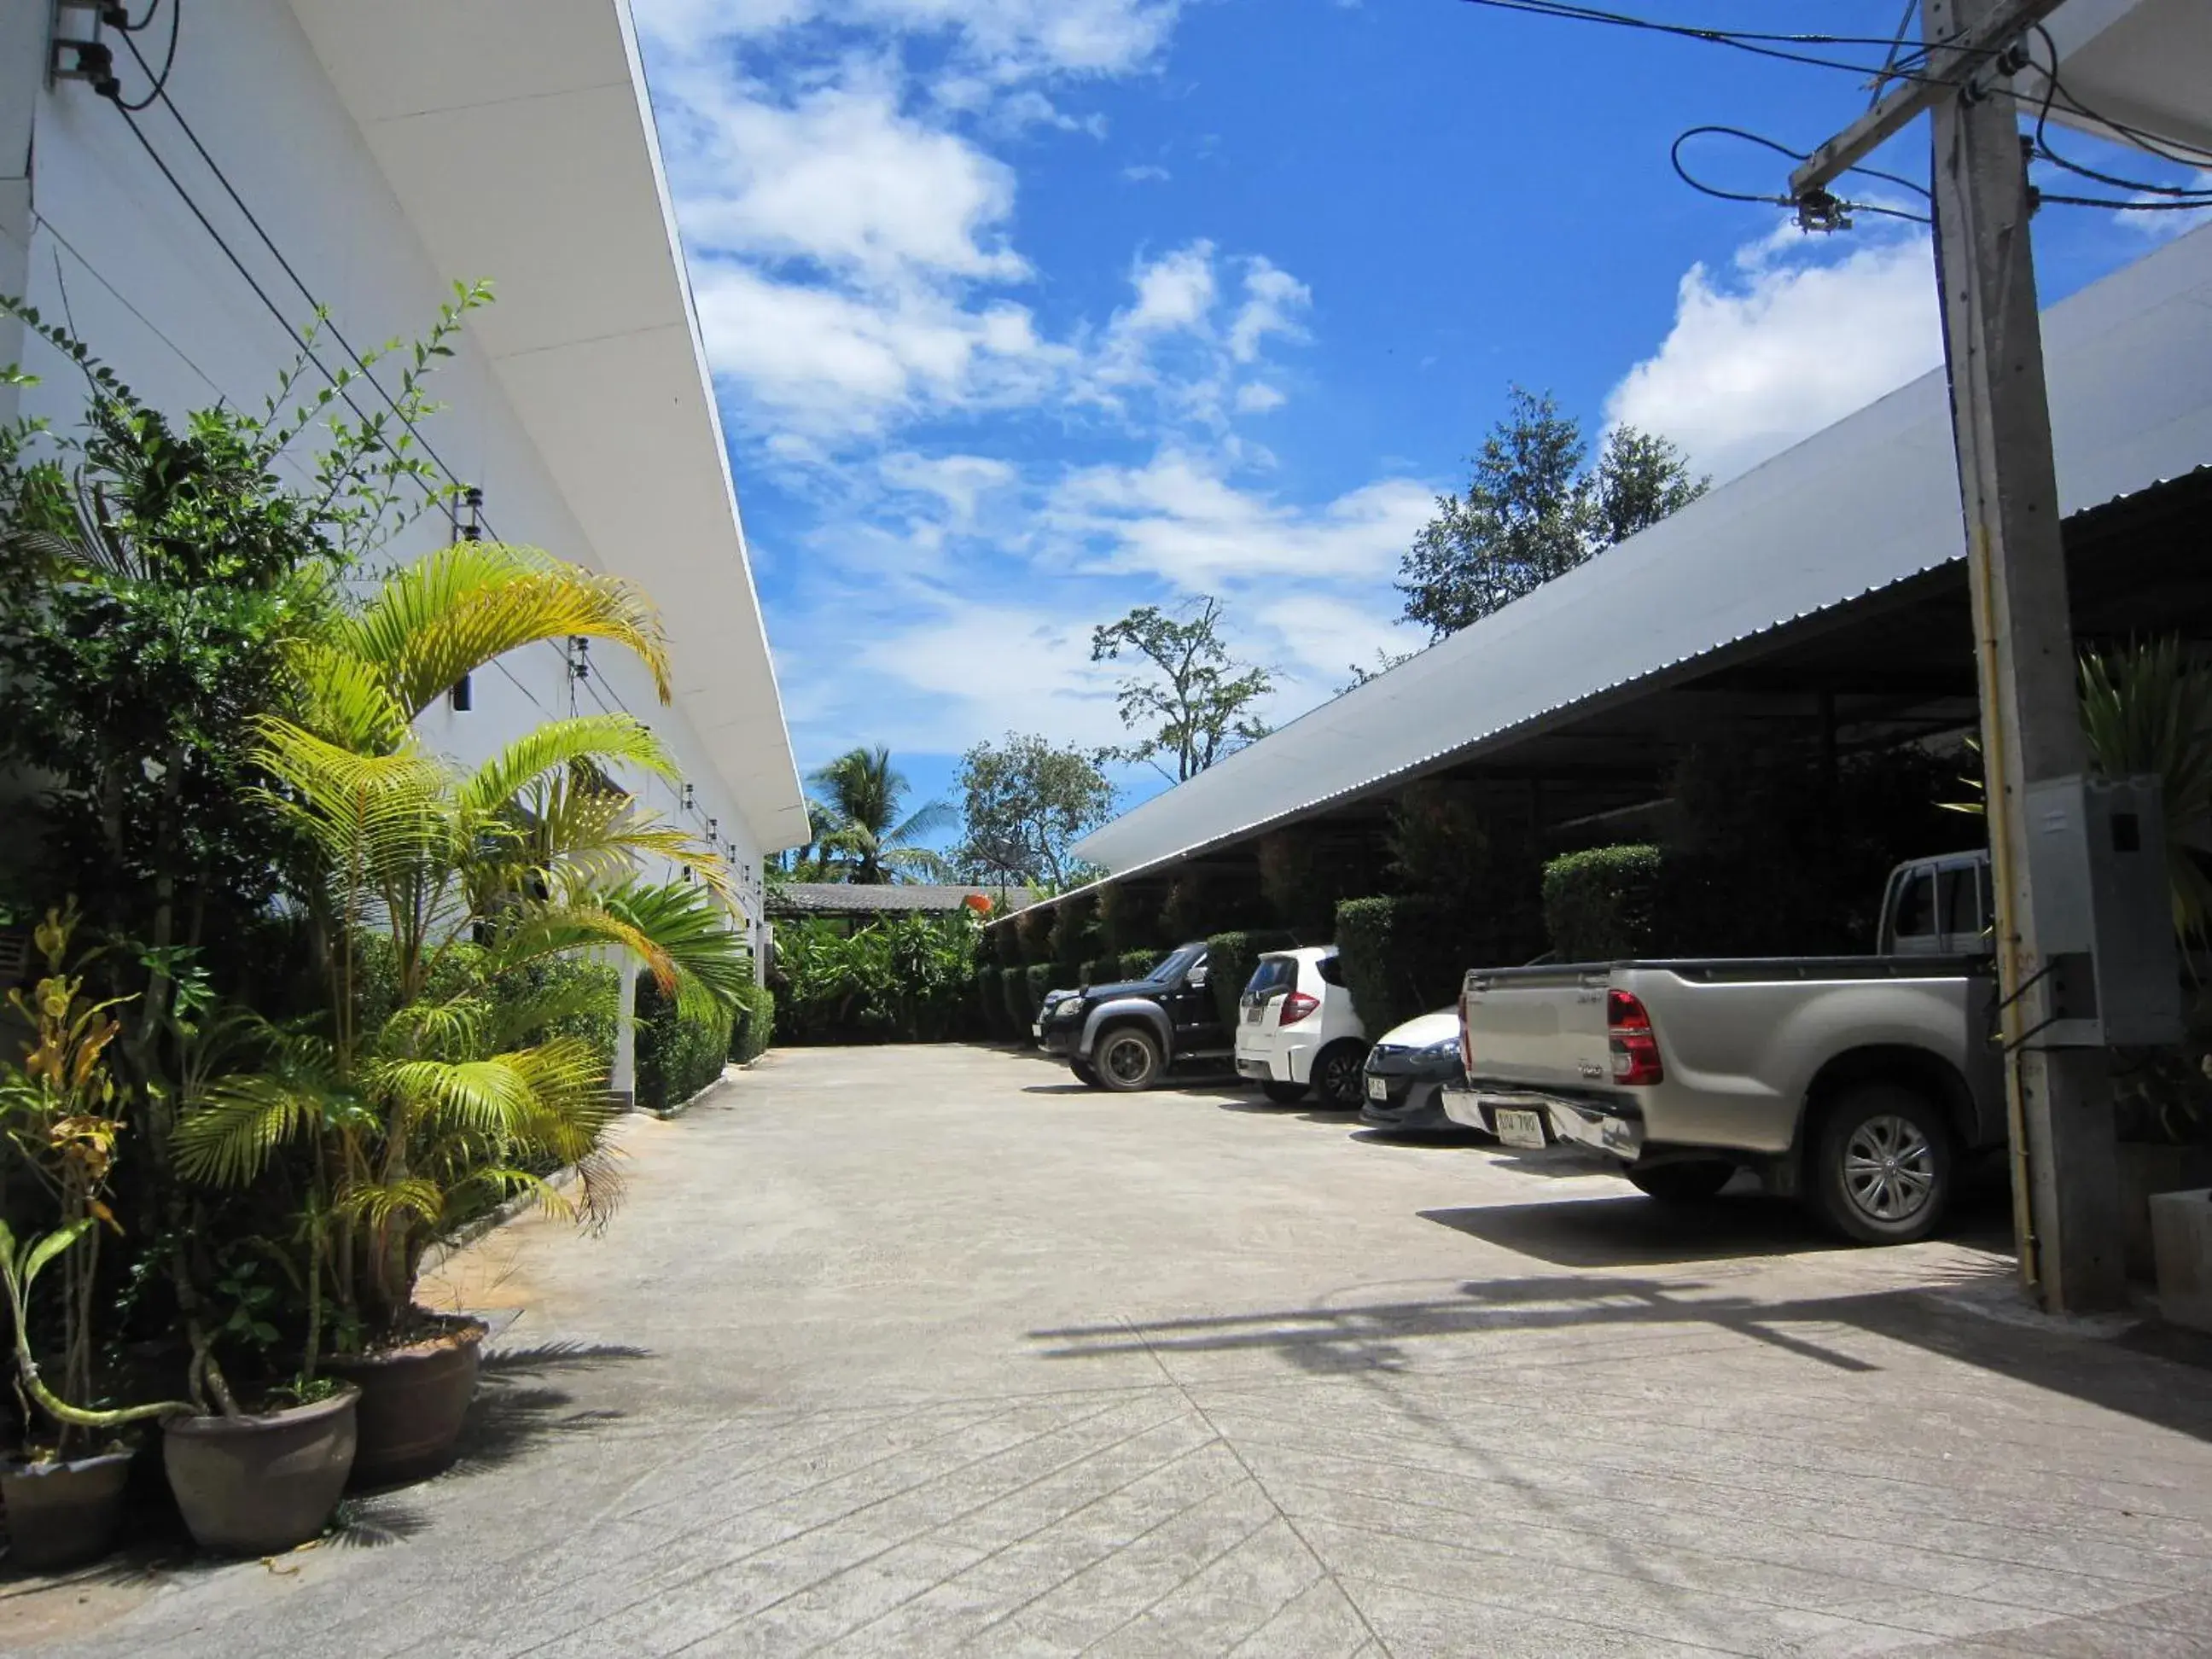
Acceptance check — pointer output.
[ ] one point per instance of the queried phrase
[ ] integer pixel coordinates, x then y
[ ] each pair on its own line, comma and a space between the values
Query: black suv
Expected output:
1125, 1037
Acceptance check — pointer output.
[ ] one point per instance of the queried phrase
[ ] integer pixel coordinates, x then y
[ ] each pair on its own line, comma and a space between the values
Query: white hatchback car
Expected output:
1297, 1029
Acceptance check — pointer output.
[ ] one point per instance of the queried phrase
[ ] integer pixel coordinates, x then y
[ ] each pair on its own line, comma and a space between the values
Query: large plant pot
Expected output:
413, 1402
62, 1515
259, 1485
2145, 1171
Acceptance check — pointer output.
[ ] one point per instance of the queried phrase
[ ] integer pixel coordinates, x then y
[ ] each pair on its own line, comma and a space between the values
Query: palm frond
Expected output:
456, 611
241, 1120
490, 1097
380, 1203
559, 745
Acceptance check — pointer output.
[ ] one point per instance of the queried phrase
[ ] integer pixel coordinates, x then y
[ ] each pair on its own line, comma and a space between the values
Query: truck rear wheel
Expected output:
1883, 1169
1688, 1182
1127, 1058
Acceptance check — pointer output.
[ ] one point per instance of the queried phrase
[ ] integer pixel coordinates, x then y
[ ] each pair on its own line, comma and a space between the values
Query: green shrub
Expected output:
1203, 902
1128, 921
1013, 995
1306, 872
1074, 928
990, 1006
1033, 932
1231, 958
906, 979
752, 1026
1099, 971
1598, 904
678, 1054
1402, 957
1135, 965
1037, 979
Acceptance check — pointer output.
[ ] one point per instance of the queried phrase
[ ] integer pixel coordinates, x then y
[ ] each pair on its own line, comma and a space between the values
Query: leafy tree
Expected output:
1193, 702
1532, 512
1026, 803
868, 842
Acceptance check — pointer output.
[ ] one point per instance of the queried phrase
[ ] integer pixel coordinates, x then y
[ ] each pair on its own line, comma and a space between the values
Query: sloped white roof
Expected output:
1871, 502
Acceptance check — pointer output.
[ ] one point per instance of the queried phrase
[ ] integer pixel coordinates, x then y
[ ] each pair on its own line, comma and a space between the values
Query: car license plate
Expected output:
1378, 1088
1037, 1030
1252, 1013
1517, 1128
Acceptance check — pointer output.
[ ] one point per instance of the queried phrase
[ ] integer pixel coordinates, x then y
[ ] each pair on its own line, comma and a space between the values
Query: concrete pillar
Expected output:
622, 1083
24, 27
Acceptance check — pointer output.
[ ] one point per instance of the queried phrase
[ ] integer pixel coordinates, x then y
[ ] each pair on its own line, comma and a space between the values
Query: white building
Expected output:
363, 156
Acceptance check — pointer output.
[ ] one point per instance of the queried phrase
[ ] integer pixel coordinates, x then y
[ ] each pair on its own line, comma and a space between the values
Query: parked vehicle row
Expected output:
1860, 1083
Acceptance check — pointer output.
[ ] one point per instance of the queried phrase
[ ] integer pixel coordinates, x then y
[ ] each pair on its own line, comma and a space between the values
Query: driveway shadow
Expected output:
1454, 1139
2144, 1376
1306, 1111
518, 1401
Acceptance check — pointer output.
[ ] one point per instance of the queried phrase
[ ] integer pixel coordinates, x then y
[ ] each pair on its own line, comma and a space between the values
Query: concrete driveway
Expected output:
911, 1351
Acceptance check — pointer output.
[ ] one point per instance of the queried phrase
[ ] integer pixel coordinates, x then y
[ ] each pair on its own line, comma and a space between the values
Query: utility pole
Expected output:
2065, 1176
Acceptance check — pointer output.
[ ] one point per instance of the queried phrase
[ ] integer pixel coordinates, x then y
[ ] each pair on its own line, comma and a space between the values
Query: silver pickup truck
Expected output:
1857, 1083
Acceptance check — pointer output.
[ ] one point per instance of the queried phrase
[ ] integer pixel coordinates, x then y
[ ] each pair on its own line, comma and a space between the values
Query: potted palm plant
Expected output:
59, 1106
432, 1094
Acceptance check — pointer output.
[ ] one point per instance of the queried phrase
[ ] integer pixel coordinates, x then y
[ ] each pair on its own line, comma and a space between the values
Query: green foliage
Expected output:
1013, 1002
2147, 711
1306, 870
1127, 920
1230, 957
904, 979
1598, 904
1402, 957
991, 1018
1026, 803
1201, 902
1036, 979
1191, 702
680, 1052
1531, 513
1099, 971
1032, 936
1074, 928
752, 1024
1135, 965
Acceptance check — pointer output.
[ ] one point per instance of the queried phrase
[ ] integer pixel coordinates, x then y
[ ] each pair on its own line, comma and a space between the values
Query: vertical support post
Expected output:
622, 1081
2065, 1176
24, 29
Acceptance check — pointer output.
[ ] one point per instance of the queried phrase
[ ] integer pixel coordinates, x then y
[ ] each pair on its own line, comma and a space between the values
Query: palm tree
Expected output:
864, 793
416, 1106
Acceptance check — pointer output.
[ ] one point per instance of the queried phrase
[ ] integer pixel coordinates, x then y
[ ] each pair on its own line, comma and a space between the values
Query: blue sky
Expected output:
1023, 312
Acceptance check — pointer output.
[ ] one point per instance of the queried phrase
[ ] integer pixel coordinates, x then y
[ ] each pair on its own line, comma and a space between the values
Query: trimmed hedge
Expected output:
1075, 931
676, 1056
1013, 991
1599, 905
1037, 980
1135, 965
1033, 932
753, 1024
1099, 971
1231, 958
1400, 957
1126, 921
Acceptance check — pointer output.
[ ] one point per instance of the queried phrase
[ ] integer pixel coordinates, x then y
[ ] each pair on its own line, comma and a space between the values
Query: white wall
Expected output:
114, 251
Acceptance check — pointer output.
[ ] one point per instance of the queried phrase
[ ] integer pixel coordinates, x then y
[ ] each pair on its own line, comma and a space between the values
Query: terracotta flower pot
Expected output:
257, 1485
62, 1515
413, 1402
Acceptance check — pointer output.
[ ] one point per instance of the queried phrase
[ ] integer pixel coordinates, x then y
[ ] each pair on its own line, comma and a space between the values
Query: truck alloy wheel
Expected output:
1884, 1170
1128, 1060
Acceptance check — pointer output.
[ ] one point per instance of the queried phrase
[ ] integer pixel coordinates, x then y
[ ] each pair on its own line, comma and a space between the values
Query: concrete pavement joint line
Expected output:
1214, 1428
1038, 1531
847, 1515
1195, 1573
2012, 1599
1567, 1618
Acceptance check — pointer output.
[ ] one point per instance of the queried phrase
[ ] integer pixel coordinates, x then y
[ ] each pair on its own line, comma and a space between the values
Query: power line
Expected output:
161, 82
1683, 172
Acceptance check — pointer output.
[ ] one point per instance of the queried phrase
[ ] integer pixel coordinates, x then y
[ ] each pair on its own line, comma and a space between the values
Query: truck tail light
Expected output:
1296, 1007
1635, 1045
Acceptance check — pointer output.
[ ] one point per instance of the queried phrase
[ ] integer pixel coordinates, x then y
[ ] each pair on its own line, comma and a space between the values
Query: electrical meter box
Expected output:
2104, 912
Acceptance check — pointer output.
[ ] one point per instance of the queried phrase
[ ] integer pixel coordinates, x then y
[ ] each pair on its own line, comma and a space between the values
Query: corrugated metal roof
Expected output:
1871, 502
865, 898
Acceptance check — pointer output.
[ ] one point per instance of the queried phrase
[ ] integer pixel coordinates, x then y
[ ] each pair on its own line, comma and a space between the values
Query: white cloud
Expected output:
1180, 520
1176, 291
960, 482
1257, 397
1273, 300
1008, 38
1145, 172
1780, 346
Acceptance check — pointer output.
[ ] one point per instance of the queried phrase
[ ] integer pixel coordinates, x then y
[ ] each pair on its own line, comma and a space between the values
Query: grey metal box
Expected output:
2104, 914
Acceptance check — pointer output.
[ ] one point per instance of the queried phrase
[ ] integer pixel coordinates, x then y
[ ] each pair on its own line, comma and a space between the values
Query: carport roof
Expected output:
1870, 504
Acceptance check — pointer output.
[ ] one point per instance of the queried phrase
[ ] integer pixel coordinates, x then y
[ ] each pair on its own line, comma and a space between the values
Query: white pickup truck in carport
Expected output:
1858, 1083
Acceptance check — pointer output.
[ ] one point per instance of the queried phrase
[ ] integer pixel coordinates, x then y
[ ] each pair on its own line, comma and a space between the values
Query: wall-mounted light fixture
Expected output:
690, 796
461, 697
